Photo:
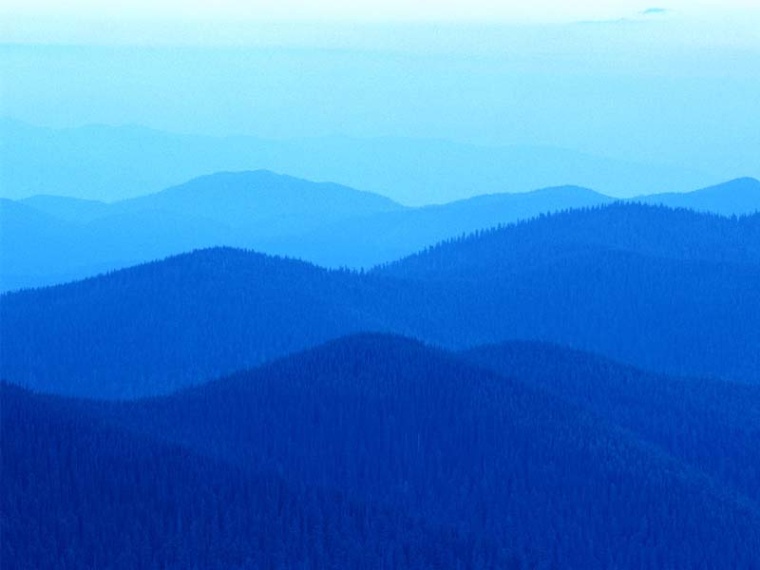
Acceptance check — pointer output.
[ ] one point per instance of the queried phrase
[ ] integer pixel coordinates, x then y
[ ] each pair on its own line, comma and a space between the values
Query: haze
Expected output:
674, 85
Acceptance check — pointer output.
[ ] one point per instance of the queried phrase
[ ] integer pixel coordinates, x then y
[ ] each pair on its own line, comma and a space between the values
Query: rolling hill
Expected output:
326, 224
708, 424
80, 493
732, 198
371, 240
649, 286
652, 287
396, 424
242, 209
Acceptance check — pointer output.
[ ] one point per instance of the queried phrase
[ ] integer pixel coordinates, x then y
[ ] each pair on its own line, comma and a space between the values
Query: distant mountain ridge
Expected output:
243, 209
327, 224
109, 163
735, 197
620, 226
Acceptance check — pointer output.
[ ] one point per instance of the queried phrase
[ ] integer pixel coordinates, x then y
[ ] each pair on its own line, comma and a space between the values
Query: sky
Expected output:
533, 11
675, 83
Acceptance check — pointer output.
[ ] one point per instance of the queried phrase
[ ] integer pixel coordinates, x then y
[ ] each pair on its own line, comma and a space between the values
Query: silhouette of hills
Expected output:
735, 197
327, 224
368, 241
660, 289
412, 429
68, 209
216, 310
242, 209
262, 203
646, 230
111, 163
642, 284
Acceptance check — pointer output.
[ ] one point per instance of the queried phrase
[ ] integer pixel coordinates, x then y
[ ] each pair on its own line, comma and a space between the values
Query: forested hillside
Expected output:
391, 422
710, 425
645, 230
618, 289
78, 493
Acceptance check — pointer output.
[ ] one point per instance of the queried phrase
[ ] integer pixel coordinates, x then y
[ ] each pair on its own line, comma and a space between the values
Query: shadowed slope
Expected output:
710, 425
78, 493
390, 421
157, 327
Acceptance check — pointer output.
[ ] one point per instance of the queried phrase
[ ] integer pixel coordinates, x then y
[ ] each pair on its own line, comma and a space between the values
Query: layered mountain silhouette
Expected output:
661, 289
326, 224
736, 197
372, 240
643, 284
513, 473
245, 209
111, 163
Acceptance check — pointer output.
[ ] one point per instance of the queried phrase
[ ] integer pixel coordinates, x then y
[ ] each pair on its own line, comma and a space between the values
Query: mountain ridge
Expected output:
326, 224
661, 305
410, 171
417, 428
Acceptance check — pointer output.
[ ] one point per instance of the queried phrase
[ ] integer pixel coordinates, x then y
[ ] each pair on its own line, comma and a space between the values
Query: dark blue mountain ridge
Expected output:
645, 285
648, 230
78, 492
185, 319
209, 313
411, 428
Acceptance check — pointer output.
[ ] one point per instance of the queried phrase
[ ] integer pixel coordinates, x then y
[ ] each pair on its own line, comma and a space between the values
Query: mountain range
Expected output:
109, 163
334, 226
375, 449
657, 288
553, 379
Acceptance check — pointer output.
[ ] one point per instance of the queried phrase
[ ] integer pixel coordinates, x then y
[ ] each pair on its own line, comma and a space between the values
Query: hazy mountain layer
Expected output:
110, 163
657, 288
326, 224
740, 196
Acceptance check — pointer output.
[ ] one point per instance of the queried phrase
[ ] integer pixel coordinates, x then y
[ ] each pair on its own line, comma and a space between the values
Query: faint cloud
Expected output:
637, 18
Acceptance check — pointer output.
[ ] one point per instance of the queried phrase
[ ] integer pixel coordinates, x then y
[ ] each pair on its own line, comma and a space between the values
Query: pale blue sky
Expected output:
677, 84
534, 11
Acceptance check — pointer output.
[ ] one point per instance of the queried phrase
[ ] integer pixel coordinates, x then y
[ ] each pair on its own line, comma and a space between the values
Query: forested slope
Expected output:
392, 422
78, 493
